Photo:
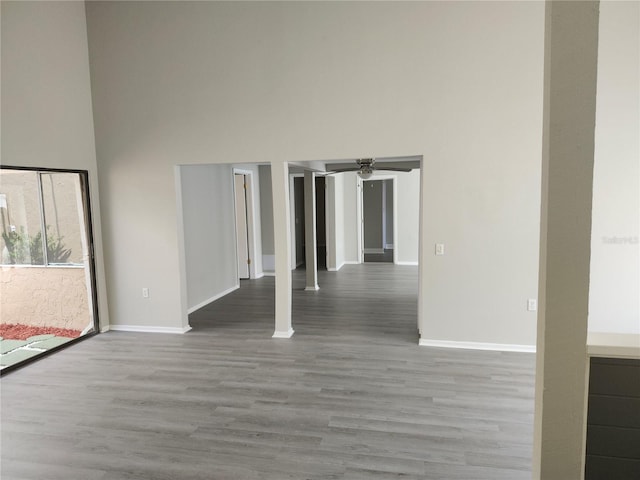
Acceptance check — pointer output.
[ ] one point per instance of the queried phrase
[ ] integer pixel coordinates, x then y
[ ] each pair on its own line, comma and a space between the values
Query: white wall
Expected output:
223, 82
47, 119
615, 262
350, 216
408, 199
339, 220
209, 232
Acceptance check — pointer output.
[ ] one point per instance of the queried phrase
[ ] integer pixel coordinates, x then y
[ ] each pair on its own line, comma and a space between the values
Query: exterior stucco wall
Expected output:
44, 297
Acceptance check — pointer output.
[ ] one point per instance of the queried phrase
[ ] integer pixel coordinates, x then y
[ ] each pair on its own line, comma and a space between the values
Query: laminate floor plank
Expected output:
350, 396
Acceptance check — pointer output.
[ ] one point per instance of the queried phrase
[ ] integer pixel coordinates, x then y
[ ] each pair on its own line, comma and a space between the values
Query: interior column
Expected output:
282, 248
571, 47
311, 250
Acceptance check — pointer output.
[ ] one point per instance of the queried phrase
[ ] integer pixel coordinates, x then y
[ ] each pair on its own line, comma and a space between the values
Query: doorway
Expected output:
321, 223
378, 220
242, 193
298, 230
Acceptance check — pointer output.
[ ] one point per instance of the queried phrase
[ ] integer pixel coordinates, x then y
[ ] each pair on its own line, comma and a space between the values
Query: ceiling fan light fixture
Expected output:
366, 168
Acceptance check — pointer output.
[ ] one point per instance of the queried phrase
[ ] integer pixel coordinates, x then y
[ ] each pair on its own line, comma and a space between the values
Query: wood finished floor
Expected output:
350, 396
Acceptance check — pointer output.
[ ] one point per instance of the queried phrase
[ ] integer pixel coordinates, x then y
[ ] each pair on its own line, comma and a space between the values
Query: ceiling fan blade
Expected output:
341, 170
389, 169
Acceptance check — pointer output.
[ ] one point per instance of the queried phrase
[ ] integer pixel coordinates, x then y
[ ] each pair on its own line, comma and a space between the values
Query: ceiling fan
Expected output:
365, 168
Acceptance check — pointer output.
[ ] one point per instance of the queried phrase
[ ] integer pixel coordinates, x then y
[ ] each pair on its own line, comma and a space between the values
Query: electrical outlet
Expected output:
145, 293
532, 305
439, 248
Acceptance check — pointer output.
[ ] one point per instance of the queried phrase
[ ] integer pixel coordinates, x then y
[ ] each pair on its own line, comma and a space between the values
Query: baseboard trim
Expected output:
287, 334
351, 262
258, 275
149, 329
389, 246
311, 289
373, 250
269, 274
336, 269
498, 347
105, 329
212, 299
413, 264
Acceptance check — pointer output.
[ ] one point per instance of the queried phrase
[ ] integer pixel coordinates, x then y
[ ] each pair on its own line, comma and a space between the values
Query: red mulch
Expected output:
22, 332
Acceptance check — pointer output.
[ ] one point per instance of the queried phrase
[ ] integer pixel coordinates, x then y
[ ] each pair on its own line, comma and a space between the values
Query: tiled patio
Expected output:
15, 351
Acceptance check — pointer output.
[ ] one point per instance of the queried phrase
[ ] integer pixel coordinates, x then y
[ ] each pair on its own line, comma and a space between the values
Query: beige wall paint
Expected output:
45, 297
47, 118
221, 82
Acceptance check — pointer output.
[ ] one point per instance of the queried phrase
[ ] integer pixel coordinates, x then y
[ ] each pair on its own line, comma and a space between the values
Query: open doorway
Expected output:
378, 220
245, 222
298, 219
242, 225
321, 222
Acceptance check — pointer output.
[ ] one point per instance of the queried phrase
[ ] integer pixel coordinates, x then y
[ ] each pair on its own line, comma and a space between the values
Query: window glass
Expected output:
63, 218
21, 221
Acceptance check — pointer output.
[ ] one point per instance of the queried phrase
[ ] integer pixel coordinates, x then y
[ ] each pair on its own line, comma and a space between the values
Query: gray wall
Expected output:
266, 218
47, 118
266, 210
255, 83
209, 231
614, 301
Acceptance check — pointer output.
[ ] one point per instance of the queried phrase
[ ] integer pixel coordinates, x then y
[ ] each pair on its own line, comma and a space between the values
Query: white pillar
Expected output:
571, 47
282, 247
311, 251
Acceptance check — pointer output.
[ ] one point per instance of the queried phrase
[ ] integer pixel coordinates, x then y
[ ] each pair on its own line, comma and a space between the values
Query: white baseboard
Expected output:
351, 262
311, 289
374, 250
212, 299
105, 329
499, 347
414, 264
258, 275
287, 334
337, 268
389, 246
269, 274
149, 329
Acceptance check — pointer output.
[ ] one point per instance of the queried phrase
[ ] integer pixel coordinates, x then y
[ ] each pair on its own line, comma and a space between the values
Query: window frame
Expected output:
88, 224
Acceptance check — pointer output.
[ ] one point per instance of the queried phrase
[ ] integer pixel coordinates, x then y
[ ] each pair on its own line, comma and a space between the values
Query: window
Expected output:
42, 218
46, 270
